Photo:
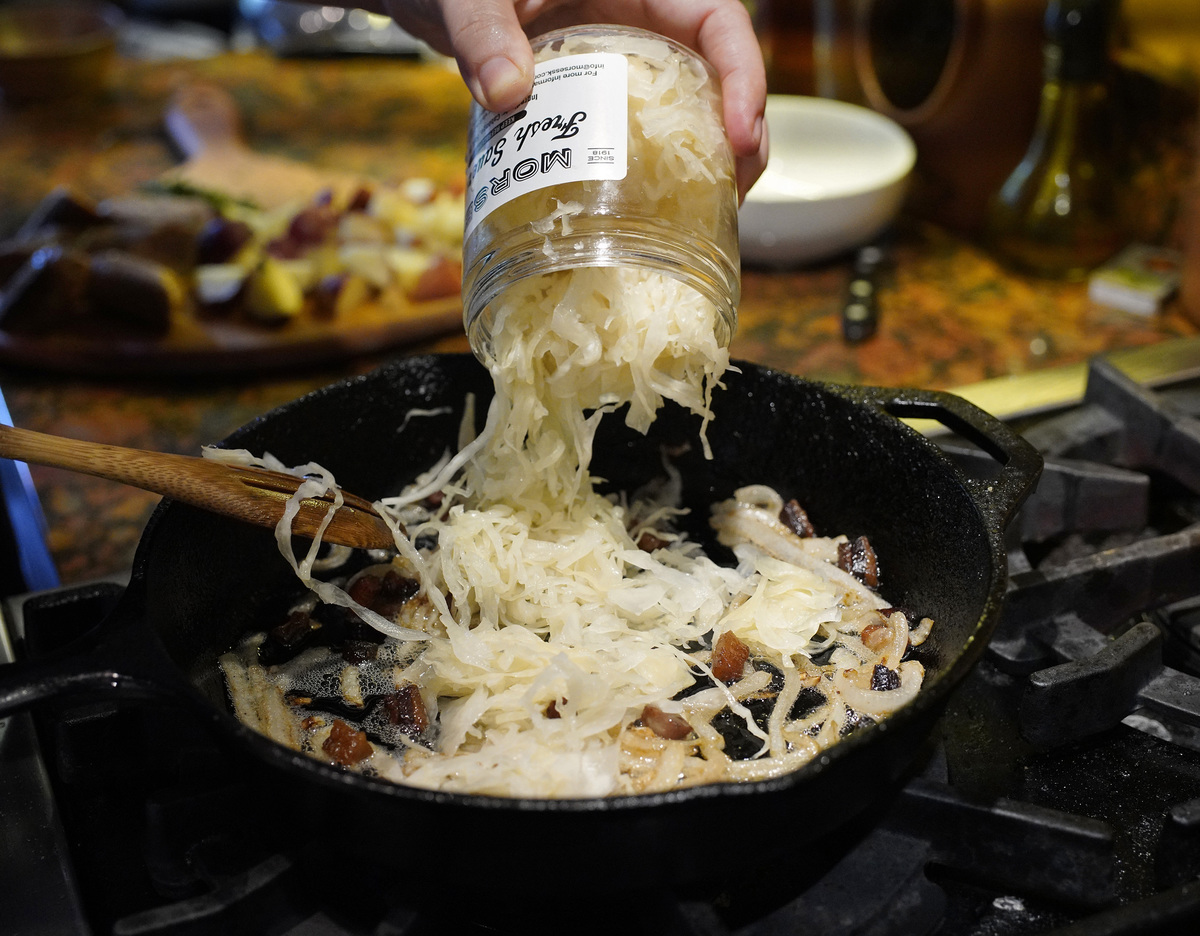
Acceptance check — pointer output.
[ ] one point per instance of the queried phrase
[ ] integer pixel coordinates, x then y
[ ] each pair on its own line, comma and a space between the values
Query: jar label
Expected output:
572, 127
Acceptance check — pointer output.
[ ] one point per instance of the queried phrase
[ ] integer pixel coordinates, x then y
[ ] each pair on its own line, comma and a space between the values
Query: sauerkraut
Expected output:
568, 636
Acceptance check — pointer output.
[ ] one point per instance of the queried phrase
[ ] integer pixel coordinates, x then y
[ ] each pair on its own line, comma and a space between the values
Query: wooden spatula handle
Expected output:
247, 494
203, 117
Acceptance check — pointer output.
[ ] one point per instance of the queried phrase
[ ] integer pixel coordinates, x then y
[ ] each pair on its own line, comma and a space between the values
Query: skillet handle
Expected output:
118, 658
998, 498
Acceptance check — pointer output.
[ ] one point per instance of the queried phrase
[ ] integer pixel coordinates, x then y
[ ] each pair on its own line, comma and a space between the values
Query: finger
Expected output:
749, 168
492, 51
726, 38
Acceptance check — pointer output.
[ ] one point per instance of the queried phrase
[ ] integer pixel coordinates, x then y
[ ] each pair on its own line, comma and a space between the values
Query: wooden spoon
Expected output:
249, 494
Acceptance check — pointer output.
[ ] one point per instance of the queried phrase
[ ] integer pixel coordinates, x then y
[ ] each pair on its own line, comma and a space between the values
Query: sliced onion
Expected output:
792, 683
898, 624
738, 524
760, 496
919, 634
768, 768
880, 702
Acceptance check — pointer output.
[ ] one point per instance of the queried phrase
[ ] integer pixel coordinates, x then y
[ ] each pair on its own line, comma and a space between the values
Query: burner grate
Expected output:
1106, 576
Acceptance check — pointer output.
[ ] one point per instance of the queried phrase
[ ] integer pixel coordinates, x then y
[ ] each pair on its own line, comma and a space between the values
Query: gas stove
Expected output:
1059, 793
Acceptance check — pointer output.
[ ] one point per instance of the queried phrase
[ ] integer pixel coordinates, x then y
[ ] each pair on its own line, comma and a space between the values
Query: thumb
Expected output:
492, 51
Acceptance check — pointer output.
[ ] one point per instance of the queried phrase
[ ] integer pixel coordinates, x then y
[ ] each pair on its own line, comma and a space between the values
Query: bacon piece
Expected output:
858, 558
287, 639
795, 519
383, 594
884, 679
729, 657
365, 589
648, 542
346, 745
297, 626
875, 637
664, 724
355, 652
396, 588
406, 710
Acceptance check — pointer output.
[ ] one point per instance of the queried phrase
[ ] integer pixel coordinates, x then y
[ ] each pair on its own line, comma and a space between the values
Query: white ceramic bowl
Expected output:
836, 177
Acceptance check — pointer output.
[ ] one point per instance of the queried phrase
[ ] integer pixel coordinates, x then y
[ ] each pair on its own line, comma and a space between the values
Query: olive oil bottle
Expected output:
1057, 214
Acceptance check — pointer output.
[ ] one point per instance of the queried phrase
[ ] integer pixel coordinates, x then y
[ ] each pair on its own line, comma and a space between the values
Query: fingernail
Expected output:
758, 129
502, 83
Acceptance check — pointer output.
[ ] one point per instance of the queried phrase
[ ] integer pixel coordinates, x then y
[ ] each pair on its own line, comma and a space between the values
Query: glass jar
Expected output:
618, 159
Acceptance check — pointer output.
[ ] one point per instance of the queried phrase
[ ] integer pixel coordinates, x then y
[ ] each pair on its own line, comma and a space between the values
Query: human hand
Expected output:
489, 40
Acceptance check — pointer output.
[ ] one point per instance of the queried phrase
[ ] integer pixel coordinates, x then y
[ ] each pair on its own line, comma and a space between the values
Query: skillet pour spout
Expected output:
843, 452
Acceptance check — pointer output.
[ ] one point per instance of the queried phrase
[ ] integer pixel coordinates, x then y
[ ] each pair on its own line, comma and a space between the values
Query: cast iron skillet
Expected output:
201, 581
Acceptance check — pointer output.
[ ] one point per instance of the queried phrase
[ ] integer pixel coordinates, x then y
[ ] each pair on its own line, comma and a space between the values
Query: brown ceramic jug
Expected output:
964, 78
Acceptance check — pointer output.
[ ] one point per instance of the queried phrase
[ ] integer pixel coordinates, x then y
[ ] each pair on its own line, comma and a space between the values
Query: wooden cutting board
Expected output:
204, 124
226, 347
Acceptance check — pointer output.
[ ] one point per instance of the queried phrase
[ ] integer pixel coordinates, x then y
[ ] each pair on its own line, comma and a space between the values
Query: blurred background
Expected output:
964, 76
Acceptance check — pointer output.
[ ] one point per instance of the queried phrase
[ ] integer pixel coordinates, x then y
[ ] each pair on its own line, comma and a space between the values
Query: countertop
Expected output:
949, 316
